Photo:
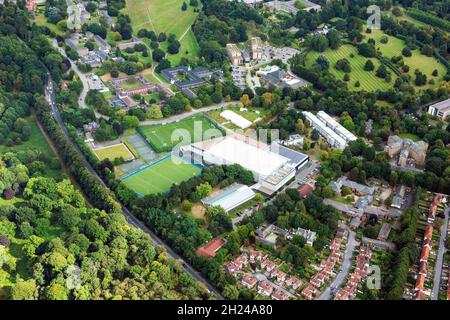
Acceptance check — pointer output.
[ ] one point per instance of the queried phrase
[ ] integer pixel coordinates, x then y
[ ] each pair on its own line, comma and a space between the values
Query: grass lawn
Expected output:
251, 115
160, 16
367, 79
165, 16
160, 176
419, 61
130, 84
113, 152
41, 20
411, 136
37, 143
160, 136
189, 49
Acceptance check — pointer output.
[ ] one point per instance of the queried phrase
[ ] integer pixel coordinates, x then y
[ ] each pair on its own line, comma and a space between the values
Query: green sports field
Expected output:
113, 152
160, 176
367, 79
160, 136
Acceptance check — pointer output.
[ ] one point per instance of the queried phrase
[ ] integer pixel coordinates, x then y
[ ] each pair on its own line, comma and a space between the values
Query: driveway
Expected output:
345, 267
440, 257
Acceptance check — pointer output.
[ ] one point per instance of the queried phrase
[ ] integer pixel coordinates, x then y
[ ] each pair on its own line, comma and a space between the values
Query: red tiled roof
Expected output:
420, 282
250, 280
428, 232
209, 250
279, 295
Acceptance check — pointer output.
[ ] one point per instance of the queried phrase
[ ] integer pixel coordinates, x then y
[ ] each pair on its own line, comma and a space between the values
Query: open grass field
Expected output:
367, 79
160, 176
251, 115
113, 152
41, 20
160, 136
165, 16
419, 61
37, 143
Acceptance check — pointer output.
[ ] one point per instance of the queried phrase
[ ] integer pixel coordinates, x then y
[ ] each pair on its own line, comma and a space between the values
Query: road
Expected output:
187, 114
83, 79
345, 267
131, 219
440, 257
262, 277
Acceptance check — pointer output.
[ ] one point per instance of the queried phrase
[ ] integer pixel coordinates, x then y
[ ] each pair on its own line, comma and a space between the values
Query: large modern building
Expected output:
186, 78
234, 54
440, 109
335, 134
291, 6
272, 166
230, 197
256, 48
280, 78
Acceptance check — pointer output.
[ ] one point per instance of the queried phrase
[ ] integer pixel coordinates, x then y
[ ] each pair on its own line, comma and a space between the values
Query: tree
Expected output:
186, 205
203, 190
334, 39
230, 292
184, 6
323, 62
24, 290
406, 52
381, 71
158, 55
320, 43
369, 66
154, 112
245, 100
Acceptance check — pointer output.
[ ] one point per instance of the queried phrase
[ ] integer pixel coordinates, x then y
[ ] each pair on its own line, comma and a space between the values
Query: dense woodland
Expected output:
69, 250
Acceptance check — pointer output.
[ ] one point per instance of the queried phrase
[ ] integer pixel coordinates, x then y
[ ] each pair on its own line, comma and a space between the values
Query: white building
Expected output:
235, 119
271, 170
440, 109
336, 127
332, 138
230, 197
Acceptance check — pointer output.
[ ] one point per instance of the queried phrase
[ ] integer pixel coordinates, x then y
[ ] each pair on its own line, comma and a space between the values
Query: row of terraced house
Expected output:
420, 292
359, 274
326, 267
270, 269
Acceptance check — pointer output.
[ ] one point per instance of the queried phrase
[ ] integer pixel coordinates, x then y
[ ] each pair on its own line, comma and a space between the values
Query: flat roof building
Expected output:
270, 169
440, 109
336, 127
330, 136
230, 197
235, 119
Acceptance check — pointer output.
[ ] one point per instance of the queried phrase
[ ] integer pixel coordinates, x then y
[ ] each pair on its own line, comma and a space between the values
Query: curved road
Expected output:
50, 94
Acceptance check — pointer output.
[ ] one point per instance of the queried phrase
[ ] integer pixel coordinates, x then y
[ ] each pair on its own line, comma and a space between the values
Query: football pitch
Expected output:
159, 176
160, 136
